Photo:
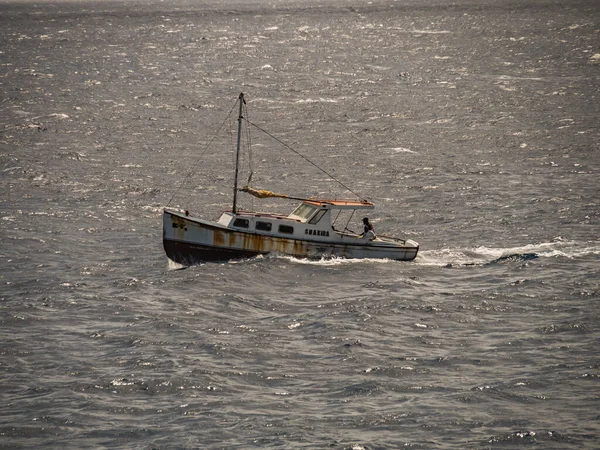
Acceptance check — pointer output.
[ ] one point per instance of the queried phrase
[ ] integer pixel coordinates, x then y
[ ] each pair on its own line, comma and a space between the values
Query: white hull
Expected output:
189, 240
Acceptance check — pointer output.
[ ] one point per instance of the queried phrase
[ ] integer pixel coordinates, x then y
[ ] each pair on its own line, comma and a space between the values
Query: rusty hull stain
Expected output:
258, 243
179, 226
219, 238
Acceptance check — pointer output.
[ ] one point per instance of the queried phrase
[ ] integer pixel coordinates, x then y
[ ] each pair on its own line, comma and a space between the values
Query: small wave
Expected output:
487, 255
515, 257
400, 150
317, 100
413, 30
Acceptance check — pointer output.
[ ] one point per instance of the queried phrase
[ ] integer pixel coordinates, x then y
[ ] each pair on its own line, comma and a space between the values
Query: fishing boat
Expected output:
307, 232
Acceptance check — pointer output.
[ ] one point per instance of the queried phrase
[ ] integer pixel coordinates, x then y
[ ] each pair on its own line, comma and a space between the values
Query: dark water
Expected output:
473, 126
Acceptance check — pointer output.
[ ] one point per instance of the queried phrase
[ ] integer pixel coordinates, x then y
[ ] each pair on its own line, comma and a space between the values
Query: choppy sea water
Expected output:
473, 127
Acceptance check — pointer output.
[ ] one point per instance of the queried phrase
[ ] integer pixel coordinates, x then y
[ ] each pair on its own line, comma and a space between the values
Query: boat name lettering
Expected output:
316, 232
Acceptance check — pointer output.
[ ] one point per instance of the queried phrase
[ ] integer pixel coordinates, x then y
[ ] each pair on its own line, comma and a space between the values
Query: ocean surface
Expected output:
473, 125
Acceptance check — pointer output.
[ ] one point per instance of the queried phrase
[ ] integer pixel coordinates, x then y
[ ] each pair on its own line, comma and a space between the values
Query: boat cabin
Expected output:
310, 220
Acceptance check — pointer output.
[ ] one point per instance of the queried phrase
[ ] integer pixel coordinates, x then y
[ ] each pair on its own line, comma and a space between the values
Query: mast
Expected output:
237, 153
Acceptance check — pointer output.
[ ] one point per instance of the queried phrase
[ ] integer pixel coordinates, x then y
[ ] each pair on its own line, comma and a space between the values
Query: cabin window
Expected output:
264, 226
240, 223
317, 217
304, 211
286, 229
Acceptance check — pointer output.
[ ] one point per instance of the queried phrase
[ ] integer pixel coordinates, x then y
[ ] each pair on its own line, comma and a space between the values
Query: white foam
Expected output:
334, 261
172, 265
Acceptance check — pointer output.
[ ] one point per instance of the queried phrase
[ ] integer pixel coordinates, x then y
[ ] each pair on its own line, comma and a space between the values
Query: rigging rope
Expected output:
305, 158
202, 154
251, 169
248, 145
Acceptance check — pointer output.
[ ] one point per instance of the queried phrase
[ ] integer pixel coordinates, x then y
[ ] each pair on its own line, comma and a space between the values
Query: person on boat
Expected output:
369, 232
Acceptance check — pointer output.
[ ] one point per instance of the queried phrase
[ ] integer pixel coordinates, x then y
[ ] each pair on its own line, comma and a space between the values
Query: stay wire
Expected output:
246, 115
202, 154
306, 159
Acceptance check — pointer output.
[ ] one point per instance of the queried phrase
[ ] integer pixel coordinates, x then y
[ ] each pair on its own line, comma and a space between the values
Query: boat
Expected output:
307, 232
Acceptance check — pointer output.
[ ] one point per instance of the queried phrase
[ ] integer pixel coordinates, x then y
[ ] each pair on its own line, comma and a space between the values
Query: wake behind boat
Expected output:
308, 232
